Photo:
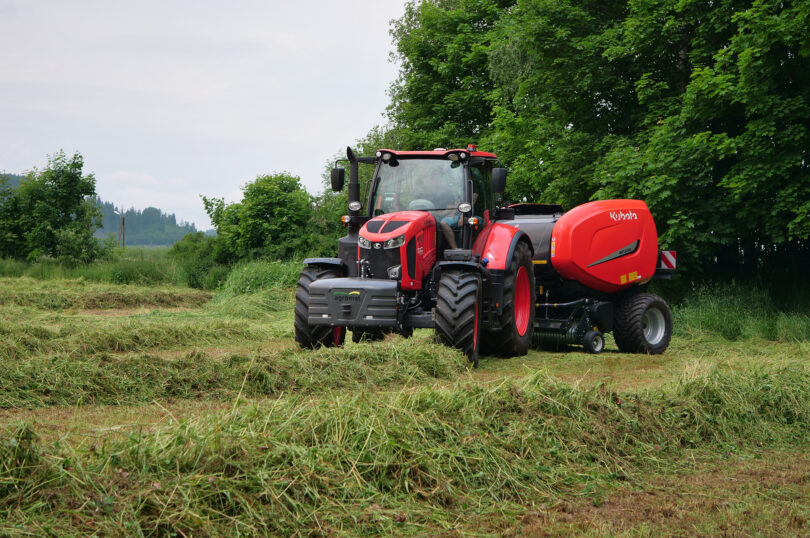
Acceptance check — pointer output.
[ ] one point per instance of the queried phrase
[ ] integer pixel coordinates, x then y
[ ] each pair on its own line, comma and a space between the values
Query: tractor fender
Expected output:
441, 266
500, 245
337, 263
469, 266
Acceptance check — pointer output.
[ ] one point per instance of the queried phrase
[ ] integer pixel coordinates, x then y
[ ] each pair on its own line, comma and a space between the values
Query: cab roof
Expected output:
441, 153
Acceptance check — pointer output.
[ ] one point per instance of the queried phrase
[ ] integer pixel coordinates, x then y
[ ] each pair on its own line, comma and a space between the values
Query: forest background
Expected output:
702, 109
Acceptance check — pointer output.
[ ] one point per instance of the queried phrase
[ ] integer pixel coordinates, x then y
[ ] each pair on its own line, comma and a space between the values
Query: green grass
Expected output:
150, 266
57, 294
94, 375
395, 437
138, 265
400, 463
737, 312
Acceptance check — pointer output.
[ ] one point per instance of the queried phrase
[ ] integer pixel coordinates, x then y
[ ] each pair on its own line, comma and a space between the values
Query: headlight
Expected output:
354, 206
363, 242
395, 242
464, 207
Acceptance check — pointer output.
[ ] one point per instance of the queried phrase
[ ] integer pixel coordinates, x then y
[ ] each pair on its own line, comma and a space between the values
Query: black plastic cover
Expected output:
353, 302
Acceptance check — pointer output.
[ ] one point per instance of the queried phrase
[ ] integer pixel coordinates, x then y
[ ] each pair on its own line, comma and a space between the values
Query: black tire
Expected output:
367, 335
457, 314
314, 336
593, 342
507, 340
643, 324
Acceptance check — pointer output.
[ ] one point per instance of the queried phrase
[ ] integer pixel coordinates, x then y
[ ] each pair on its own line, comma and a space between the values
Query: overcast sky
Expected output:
169, 100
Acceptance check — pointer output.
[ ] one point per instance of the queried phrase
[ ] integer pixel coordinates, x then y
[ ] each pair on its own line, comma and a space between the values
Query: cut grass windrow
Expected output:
406, 462
79, 338
133, 378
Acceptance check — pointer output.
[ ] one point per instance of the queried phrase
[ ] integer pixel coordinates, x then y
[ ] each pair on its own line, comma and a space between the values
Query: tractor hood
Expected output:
392, 225
404, 238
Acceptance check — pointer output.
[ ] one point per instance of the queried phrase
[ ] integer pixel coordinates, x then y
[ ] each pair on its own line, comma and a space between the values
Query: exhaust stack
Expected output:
347, 245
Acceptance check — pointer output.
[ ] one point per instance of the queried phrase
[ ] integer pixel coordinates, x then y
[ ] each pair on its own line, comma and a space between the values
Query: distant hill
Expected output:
9, 180
150, 226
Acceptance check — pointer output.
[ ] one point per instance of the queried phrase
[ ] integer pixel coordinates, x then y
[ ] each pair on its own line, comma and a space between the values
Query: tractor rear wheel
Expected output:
514, 335
313, 336
643, 324
458, 320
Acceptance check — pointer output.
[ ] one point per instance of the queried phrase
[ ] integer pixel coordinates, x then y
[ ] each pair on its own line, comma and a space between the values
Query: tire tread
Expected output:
627, 327
458, 294
311, 336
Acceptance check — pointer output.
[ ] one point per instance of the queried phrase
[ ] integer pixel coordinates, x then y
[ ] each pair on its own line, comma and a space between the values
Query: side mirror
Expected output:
338, 178
498, 180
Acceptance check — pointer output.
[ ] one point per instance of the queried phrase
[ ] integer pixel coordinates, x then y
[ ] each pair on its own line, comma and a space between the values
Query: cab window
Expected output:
481, 174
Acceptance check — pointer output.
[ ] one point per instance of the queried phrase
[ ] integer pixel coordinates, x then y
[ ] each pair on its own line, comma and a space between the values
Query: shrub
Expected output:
195, 256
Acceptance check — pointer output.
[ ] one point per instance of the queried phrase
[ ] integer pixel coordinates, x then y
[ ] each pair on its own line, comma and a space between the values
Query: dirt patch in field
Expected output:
768, 496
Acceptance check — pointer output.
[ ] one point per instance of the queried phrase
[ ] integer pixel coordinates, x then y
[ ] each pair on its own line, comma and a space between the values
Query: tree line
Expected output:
702, 109
55, 205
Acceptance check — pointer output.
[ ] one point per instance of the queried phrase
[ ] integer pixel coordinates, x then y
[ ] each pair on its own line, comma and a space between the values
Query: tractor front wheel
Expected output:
643, 324
458, 320
313, 336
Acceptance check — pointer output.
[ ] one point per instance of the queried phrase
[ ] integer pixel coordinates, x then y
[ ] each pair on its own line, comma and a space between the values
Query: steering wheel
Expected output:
421, 204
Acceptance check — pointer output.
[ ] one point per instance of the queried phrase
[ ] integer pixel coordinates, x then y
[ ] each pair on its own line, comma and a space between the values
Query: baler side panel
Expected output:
608, 245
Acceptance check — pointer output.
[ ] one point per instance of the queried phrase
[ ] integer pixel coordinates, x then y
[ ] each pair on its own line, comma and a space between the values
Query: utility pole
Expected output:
122, 229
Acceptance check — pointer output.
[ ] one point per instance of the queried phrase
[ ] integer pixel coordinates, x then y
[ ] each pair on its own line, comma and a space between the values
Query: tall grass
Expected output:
254, 289
138, 265
739, 312
153, 266
261, 275
409, 462
59, 294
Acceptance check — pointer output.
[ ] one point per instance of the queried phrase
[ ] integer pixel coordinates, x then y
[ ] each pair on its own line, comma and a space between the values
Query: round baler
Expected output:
592, 265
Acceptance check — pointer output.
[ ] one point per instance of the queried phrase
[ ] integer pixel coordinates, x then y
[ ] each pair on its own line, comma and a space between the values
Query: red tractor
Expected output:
432, 250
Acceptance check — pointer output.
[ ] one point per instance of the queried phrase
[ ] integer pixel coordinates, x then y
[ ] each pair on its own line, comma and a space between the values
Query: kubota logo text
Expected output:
619, 216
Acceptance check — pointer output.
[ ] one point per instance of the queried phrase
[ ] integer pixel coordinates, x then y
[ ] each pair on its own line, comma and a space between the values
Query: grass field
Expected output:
162, 410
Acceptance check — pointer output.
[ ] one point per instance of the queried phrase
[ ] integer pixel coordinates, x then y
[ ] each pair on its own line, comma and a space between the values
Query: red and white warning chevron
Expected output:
668, 259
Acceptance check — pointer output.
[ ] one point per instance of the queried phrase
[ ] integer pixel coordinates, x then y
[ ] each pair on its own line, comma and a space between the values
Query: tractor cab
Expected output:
452, 186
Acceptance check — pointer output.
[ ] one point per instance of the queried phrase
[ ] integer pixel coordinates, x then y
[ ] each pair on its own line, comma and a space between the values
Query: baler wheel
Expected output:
593, 342
314, 336
643, 324
458, 320
517, 320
